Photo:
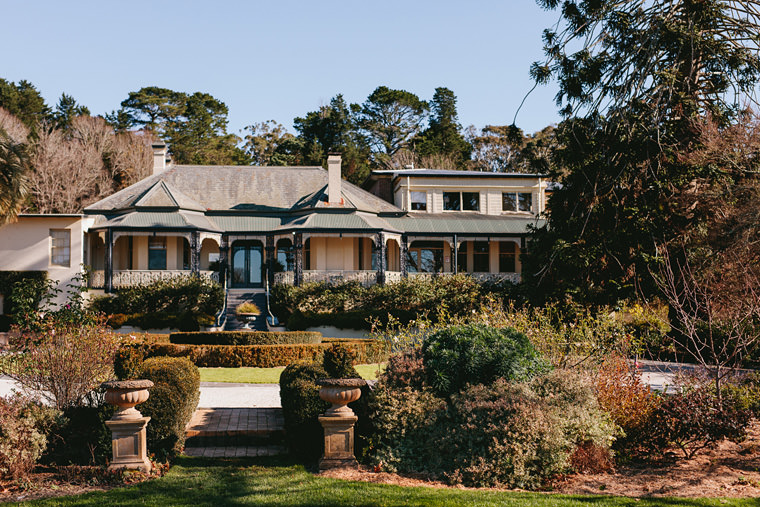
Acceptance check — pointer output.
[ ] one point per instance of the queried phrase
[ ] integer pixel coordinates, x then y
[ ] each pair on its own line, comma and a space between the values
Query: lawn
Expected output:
198, 481
269, 375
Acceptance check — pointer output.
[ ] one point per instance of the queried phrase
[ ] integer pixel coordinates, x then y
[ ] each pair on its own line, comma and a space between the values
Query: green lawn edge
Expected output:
249, 375
277, 483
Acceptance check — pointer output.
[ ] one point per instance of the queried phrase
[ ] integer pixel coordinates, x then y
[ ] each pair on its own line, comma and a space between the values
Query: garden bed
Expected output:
729, 470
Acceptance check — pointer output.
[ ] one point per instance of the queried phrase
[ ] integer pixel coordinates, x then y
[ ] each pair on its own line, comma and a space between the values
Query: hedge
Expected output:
233, 356
8, 280
245, 338
171, 403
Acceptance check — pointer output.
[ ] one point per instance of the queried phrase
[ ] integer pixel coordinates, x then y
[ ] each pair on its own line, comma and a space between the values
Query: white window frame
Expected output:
414, 197
516, 196
461, 200
60, 247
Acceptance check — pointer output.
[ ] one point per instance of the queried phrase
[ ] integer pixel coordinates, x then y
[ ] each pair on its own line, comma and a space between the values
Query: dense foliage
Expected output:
171, 404
355, 306
8, 289
185, 301
301, 404
23, 435
625, 144
509, 434
478, 354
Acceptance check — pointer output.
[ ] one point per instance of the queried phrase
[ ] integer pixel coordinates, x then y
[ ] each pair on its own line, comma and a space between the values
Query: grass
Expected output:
273, 483
269, 375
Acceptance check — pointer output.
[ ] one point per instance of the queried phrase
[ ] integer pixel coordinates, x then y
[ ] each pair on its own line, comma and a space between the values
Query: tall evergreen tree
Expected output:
444, 133
66, 110
390, 119
24, 101
332, 129
195, 126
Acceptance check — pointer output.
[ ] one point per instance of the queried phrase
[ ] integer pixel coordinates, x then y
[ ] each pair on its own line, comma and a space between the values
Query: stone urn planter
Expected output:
128, 436
340, 392
125, 394
338, 422
247, 318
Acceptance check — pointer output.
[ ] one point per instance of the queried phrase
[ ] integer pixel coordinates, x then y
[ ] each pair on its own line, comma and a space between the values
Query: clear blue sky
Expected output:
280, 59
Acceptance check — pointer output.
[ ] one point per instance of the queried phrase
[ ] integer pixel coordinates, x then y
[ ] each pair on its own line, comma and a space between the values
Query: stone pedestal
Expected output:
127, 425
129, 444
339, 442
338, 422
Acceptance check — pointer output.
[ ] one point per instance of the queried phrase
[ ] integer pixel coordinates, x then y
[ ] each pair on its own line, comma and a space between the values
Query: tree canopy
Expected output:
194, 125
633, 75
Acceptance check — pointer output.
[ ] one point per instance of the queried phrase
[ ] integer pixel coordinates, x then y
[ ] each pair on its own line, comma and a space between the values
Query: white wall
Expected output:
25, 246
490, 190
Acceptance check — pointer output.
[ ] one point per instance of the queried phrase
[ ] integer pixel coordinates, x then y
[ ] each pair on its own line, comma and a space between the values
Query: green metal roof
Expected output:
240, 223
156, 220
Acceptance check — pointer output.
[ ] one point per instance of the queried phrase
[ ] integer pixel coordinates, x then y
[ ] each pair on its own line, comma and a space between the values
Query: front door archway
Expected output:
247, 264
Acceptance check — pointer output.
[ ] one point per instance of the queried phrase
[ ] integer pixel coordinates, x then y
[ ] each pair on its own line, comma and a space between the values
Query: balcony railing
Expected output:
133, 277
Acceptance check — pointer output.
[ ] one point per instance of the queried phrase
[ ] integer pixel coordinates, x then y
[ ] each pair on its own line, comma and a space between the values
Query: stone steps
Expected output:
235, 432
238, 296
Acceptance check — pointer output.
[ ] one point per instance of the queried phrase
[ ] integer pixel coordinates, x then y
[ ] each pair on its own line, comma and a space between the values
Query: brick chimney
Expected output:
159, 157
333, 180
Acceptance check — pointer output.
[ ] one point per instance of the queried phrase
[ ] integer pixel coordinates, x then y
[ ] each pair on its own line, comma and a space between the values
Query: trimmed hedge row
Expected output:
171, 404
129, 357
246, 338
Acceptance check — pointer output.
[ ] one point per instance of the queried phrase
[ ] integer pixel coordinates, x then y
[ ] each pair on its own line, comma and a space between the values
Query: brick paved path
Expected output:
235, 432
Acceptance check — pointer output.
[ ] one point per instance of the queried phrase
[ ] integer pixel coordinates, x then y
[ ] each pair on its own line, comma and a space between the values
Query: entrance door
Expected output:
247, 264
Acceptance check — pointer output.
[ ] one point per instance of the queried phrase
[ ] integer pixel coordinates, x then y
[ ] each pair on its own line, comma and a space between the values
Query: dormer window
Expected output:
419, 201
516, 201
461, 201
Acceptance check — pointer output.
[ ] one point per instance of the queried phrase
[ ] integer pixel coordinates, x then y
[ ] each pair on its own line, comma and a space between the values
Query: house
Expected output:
286, 225
303, 224
49, 243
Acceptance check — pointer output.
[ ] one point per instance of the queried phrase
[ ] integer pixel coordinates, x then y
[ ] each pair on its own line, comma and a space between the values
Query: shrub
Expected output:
501, 435
171, 404
34, 288
629, 401
478, 354
400, 435
404, 369
186, 321
339, 360
245, 338
350, 305
299, 395
81, 436
744, 394
23, 425
247, 308
62, 363
693, 420
508, 434
355, 319
176, 296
